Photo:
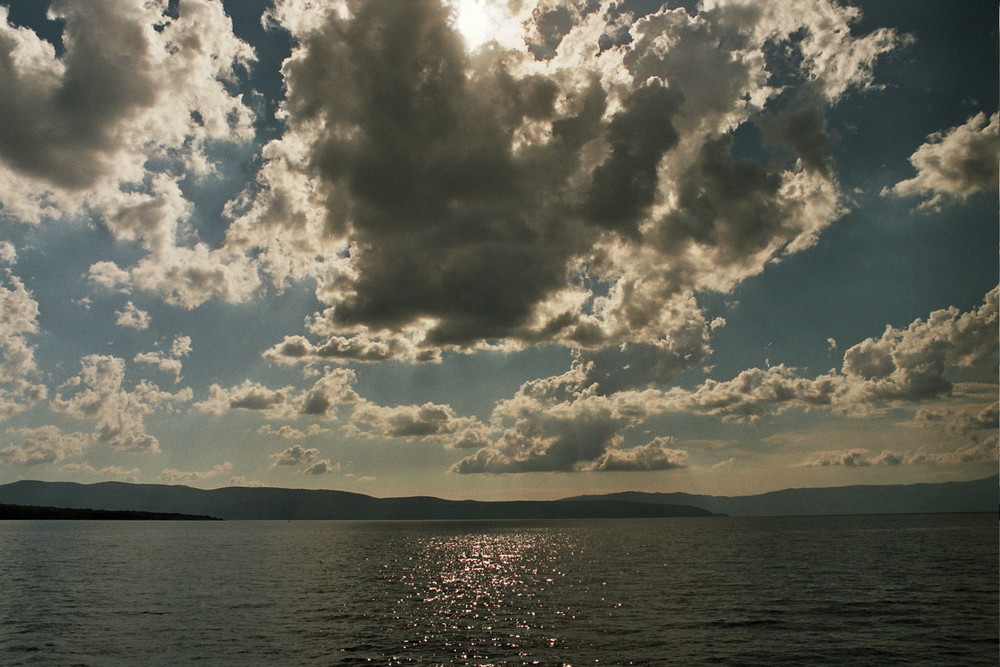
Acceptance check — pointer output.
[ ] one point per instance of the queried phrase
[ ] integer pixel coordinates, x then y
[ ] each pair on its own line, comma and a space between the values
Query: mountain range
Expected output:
238, 502
981, 495
280, 503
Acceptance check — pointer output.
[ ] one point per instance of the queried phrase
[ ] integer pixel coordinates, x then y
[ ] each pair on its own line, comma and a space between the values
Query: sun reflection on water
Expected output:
480, 595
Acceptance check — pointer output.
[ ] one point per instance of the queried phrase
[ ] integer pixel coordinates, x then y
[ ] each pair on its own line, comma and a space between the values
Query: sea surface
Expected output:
856, 590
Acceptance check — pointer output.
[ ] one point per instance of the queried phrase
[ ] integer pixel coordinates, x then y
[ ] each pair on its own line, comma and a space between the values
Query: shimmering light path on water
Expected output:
819, 590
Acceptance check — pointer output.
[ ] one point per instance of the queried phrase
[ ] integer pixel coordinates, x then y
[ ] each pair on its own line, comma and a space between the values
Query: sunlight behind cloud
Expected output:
482, 21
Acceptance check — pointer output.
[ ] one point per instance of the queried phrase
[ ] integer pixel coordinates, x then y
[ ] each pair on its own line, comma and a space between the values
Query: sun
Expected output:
482, 21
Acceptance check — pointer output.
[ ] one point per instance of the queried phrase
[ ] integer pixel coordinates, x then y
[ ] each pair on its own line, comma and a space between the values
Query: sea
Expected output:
830, 590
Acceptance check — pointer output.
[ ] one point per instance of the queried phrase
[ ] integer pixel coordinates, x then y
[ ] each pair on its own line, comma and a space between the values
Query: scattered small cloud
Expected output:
728, 463
321, 467
169, 362
291, 433
44, 444
172, 475
97, 394
295, 455
107, 472
131, 317
954, 164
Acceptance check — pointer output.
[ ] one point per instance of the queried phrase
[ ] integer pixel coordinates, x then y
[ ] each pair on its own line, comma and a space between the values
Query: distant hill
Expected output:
981, 495
8, 512
277, 503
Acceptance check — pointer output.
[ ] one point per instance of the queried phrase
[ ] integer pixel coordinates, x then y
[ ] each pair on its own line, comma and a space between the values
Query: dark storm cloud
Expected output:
59, 122
476, 197
578, 191
732, 206
625, 185
131, 82
801, 129
417, 166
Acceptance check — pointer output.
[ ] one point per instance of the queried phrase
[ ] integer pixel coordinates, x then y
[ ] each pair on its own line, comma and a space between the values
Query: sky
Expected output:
499, 250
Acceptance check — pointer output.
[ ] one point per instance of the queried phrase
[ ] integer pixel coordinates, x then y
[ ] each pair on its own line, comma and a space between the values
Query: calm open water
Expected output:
878, 590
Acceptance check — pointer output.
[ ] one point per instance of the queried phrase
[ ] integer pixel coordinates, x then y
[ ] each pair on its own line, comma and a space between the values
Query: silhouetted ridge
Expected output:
22, 512
982, 495
277, 503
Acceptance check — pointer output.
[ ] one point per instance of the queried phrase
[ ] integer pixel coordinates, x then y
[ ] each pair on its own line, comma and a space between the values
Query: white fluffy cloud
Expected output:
910, 364
173, 475
107, 472
247, 396
855, 458
8, 253
902, 365
44, 444
955, 163
427, 421
321, 467
291, 433
18, 368
131, 317
135, 87
654, 455
565, 423
297, 455
294, 456
80, 123
332, 389
170, 361
97, 394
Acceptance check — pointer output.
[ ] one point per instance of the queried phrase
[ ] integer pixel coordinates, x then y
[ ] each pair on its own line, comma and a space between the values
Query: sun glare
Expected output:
481, 21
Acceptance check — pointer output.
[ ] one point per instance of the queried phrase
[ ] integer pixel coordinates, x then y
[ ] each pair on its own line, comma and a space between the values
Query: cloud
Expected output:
321, 467
979, 429
18, 367
169, 362
112, 125
910, 364
44, 444
107, 472
427, 421
555, 190
8, 253
172, 475
80, 123
853, 458
294, 456
654, 455
954, 164
97, 395
132, 318
332, 389
298, 349
291, 433
984, 451
562, 424
728, 463
184, 277
246, 396
567, 423
756, 392
902, 365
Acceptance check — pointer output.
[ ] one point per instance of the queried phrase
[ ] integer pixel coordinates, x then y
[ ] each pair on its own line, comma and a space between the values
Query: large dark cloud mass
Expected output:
578, 189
